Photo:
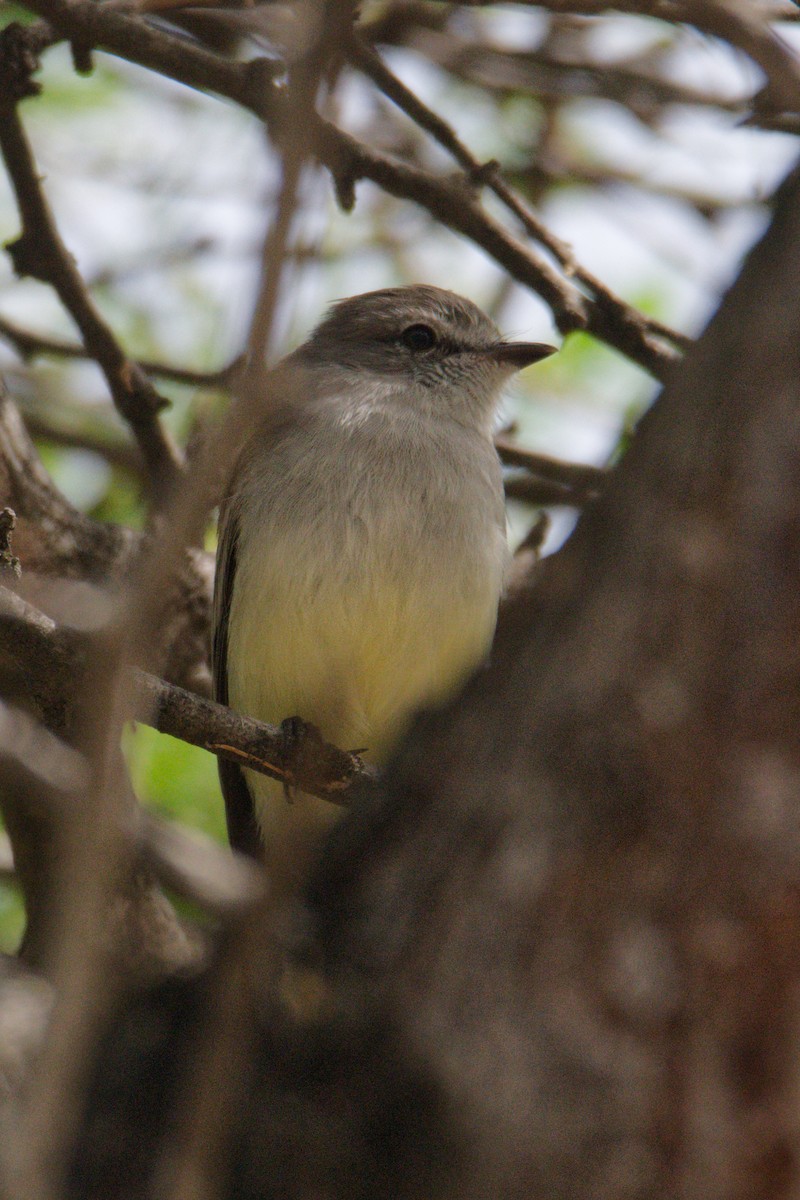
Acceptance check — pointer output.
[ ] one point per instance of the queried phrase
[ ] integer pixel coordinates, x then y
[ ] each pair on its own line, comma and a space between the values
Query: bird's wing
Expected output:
243, 831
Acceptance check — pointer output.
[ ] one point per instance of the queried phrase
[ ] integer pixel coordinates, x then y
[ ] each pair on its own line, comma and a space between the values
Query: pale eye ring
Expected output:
418, 337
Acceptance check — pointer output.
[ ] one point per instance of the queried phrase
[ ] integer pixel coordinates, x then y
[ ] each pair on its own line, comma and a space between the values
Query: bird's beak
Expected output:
518, 355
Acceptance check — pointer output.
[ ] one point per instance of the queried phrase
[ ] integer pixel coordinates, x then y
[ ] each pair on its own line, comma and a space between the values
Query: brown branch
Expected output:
309, 764
733, 23
117, 453
40, 252
39, 772
38, 754
739, 24
662, 10
372, 65
548, 481
529, 490
55, 541
551, 170
510, 71
52, 537
457, 207
535, 488
581, 476
224, 885
52, 656
349, 161
611, 306
251, 84
94, 853
31, 345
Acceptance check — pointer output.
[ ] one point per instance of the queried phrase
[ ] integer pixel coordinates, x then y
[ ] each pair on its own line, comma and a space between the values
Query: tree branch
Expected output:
549, 480
454, 205
39, 252
733, 23
307, 763
31, 345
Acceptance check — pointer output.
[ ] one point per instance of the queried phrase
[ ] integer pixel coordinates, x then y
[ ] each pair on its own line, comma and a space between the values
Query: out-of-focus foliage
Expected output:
178, 779
12, 918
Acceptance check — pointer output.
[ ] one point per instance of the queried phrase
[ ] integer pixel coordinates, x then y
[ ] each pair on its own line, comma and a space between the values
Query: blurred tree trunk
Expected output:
581, 902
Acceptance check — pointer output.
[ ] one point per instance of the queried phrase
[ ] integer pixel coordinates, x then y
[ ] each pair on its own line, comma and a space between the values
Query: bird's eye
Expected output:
418, 337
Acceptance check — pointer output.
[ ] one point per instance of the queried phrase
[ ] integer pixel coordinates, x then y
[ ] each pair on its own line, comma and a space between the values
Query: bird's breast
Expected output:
369, 572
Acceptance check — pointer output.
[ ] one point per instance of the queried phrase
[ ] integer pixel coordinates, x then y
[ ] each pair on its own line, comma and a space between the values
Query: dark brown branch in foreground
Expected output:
40, 253
612, 806
307, 763
222, 884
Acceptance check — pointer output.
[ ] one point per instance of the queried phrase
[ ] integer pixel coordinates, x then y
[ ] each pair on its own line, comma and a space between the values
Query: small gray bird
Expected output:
362, 545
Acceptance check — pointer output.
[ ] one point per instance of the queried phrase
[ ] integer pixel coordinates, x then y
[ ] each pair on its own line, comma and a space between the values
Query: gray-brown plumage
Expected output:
362, 544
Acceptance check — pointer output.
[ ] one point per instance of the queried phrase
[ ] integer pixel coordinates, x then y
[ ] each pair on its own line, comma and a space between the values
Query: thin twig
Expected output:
581, 476
313, 766
32, 345
538, 73
111, 448
49, 762
489, 174
350, 160
751, 34
662, 10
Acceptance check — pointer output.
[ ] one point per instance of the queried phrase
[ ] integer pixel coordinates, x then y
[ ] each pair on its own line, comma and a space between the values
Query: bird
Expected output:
362, 545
